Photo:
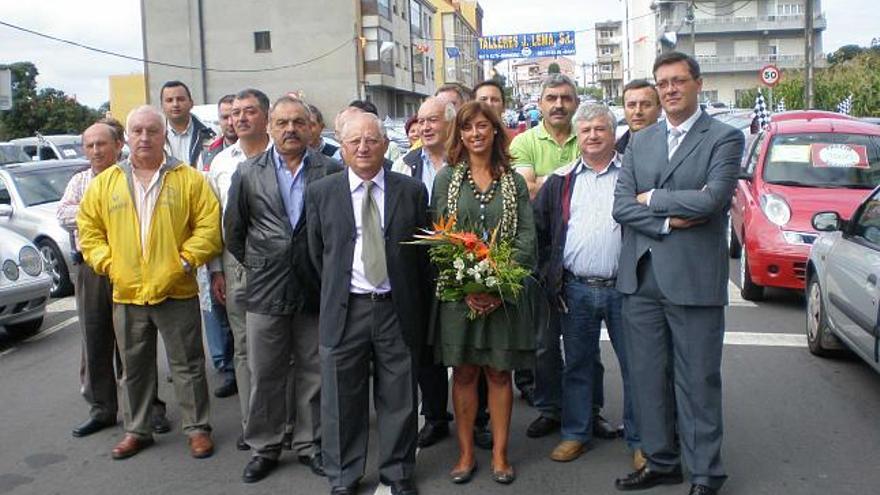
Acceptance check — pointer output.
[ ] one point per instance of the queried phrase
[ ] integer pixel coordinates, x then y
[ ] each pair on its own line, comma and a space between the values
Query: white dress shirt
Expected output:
359, 282
178, 143
145, 199
683, 128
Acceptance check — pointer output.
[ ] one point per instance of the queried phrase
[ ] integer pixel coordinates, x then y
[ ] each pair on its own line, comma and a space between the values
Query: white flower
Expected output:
458, 264
469, 256
477, 276
491, 281
459, 276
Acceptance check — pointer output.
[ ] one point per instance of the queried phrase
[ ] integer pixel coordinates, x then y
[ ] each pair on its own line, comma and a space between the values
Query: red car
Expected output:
803, 163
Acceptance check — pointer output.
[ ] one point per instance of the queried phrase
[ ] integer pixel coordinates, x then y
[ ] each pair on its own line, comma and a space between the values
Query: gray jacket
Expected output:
280, 275
690, 265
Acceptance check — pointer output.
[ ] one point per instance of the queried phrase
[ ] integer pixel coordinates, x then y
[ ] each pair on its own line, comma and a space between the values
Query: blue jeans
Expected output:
581, 328
219, 337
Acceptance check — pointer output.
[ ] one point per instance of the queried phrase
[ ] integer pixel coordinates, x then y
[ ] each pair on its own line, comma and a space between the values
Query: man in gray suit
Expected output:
265, 229
672, 198
374, 294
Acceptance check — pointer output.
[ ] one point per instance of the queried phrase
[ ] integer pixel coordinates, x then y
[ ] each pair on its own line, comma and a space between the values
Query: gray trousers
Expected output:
236, 309
94, 306
372, 334
179, 321
691, 337
272, 341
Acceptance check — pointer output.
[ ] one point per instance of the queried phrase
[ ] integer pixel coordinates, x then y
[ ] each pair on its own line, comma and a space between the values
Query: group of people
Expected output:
310, 286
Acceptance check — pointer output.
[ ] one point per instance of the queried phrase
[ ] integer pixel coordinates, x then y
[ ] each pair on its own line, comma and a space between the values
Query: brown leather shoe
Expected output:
639, 460
201, 445
567, 450
130, 445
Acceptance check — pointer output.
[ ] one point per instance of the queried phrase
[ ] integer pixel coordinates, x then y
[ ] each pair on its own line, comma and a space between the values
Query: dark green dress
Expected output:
505, 339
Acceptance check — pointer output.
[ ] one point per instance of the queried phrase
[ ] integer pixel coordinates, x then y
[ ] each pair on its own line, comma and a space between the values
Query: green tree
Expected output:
48, 111
844, 53
553, 68
859, 76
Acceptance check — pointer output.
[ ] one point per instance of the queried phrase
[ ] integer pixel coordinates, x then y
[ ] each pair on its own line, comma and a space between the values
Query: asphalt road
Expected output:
794, 423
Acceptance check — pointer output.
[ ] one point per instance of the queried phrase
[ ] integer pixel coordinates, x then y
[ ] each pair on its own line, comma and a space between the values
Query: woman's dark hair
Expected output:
409, 122
456, 152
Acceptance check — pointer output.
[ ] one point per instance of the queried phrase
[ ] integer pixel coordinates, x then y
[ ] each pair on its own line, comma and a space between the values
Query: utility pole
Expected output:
692, 17
809, 56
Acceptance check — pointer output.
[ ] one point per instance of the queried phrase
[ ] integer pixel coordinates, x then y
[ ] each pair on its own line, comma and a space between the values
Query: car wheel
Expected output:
749, 290
820, 340
25, 328
733, 245
57, 268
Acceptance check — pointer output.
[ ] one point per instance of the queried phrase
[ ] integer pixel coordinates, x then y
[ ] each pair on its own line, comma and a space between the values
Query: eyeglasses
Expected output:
675, 82
368, 142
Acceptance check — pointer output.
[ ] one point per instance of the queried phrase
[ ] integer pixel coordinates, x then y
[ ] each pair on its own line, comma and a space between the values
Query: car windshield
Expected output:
9, 153
826, 160
71, 151
38, 185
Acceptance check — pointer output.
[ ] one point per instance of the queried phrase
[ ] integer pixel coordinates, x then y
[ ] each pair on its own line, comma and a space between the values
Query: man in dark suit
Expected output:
374, 293
672, 199
266, 232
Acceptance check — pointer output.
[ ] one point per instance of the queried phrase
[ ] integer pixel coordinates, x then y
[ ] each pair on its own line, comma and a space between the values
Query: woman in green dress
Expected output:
482, 192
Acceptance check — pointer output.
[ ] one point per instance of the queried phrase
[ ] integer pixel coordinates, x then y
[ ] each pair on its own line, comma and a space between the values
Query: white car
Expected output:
843, 283
53, 147
24, 284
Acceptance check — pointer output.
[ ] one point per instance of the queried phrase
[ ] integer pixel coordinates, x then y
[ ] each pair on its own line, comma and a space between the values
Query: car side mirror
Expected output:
5, 211
827, 221
744, 175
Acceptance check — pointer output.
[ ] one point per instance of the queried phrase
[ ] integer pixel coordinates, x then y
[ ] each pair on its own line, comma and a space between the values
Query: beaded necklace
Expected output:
508, 224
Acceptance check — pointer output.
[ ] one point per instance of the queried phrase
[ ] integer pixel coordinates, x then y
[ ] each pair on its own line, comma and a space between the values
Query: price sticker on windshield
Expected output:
839, 155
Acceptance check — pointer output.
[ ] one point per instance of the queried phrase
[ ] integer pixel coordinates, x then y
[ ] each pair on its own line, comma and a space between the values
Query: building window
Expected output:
262, 41
378, 61
384, 8
606, 34
606, 68
415, 18
406, 58
606, 51
790, 8
708, 96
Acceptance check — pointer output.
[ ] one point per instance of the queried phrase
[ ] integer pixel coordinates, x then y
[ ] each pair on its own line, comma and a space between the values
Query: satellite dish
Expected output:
670, 37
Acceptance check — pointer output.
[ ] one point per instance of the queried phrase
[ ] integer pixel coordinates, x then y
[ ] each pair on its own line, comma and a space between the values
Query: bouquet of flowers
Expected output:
469, 265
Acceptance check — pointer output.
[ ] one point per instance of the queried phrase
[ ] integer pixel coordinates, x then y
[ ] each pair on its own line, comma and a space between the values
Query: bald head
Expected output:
102, 146
435, 117
145, 126
342, 116
364, 144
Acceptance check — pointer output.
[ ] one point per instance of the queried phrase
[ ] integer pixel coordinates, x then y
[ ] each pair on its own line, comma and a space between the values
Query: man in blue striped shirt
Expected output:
580, 247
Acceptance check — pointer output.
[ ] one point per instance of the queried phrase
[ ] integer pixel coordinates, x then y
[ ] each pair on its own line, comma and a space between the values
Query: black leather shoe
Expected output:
159, 423
432, 433
483, 437
542, 427
90, 426
528, 395
240, 444
403, 487
314, 461
287, 441
604, 429
504, 477
647, 478
702, 490
345, 490
258, 468
228, 389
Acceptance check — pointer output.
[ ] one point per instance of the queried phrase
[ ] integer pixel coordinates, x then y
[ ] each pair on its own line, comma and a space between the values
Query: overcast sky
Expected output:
115, 25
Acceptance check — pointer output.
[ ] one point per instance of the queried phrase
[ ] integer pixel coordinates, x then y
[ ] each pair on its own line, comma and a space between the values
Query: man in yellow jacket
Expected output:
147, 223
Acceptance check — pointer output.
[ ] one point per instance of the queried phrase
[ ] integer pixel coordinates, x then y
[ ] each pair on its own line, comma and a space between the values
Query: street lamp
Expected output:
690, 17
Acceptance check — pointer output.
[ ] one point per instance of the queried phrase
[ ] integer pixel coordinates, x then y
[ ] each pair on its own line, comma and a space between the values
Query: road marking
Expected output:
754, 339
735, 299
51, 330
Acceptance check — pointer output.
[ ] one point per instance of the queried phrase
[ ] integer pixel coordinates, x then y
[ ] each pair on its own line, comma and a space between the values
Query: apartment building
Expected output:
329, 52
527, 75
609, 58
457, 26
732, 39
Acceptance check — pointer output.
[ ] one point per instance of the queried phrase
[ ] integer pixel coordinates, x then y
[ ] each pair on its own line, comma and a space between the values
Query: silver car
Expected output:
24, 284
53, 147
842, 283
29, 196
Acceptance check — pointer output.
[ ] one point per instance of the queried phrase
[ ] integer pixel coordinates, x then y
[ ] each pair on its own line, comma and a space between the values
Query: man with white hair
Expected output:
435, 118
580, 245
147, 223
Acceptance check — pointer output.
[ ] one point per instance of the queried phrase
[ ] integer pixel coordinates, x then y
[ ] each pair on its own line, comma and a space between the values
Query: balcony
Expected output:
609, 59
726, 25
614, 40
754, 63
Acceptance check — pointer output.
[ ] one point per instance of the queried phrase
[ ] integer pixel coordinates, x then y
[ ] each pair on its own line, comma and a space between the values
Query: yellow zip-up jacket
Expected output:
185, 226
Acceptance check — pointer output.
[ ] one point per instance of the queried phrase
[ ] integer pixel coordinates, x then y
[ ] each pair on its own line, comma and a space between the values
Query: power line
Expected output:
173, 65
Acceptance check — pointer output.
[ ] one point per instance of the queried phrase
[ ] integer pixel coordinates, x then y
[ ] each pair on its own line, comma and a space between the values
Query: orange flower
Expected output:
444, 225
466, 239
481, 251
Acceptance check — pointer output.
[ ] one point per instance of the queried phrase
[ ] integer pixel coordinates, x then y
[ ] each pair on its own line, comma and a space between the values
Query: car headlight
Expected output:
10, 269
776, 209
30, 261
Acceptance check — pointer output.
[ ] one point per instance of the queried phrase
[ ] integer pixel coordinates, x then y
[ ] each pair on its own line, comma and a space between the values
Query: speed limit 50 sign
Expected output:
770, 75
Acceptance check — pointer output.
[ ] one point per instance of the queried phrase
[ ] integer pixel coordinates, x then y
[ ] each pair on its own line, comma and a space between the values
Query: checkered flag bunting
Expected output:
845, 105
780, 105
761, 112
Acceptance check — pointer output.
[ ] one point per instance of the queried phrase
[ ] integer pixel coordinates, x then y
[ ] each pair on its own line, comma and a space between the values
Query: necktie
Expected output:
674, 139
373, 242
